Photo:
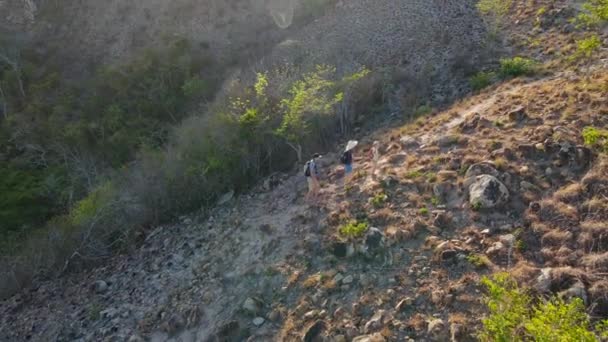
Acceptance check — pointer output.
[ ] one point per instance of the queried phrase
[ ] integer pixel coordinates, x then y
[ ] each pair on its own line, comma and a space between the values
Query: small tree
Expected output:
315, 94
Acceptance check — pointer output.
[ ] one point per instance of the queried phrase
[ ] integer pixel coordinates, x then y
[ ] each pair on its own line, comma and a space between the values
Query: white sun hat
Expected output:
351, 144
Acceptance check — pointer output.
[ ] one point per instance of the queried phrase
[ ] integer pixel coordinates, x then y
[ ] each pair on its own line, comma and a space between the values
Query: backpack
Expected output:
307, 168
344, 158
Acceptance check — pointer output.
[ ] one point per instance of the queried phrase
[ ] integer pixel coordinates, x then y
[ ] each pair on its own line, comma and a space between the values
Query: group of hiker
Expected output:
311, 171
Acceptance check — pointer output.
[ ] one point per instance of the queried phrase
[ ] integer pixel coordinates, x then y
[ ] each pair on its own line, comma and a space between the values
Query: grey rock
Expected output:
488, 192
543, 282
348, 280
258, 321
100, 286
376, 322
252, 306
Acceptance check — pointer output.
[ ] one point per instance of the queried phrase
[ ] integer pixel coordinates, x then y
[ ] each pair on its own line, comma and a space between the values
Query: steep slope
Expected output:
271, 255
502, 180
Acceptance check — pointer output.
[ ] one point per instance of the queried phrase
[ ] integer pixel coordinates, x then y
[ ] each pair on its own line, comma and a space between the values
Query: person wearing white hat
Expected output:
347, 159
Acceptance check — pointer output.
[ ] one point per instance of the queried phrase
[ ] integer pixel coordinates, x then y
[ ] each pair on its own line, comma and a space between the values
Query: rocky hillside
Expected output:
434, 44
496, 182
503, 179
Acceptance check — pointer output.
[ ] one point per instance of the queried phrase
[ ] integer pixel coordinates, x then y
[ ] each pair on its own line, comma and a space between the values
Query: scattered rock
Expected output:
252, 306
483, 168
408, 142
518, 114
275, 316
100, 286
258, 321
436, 327
487, 192
376, 322
348, 280
370, 338
225, 198
404, 303
534, 207
528, 151
314, 330
496, 248
374, 241
456, 332
543, 282
448, 255
136, 338
338, 277
508, 239
339, 249
442, 220
577, 290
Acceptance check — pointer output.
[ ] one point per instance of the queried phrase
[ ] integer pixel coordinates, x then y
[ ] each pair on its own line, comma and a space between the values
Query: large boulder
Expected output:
487, 192
374, 242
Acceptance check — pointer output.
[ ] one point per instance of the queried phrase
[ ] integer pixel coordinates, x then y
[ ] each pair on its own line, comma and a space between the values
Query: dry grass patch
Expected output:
570, 193
596, 262
598, 297
594, 236
312, 281
595, 181
556, 238
558, 213
596, 208
524, 272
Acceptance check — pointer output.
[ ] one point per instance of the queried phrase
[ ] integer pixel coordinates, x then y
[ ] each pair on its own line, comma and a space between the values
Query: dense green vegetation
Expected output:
517, 66
515, 316
57, 139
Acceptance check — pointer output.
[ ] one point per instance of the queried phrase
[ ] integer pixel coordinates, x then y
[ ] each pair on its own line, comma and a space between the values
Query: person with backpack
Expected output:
312, 178
347, 160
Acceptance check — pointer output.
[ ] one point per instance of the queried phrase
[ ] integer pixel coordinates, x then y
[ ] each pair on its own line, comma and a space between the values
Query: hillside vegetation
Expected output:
157, 198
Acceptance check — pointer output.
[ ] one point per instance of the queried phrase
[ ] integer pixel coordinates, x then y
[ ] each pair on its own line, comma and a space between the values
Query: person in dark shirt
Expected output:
347, 159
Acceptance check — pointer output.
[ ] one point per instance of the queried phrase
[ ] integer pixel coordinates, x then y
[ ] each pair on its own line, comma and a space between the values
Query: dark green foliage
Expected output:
517, 66
57, 133
481, 80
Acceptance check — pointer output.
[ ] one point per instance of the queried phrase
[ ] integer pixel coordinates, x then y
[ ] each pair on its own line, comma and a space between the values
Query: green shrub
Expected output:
495, 11
379, 199
585, 48
517, 66
494, 7
423, 110
481, 80
414, 174
476, 206
353, 229
596, 138
513, 316
478, 260
595, 13
91, 206
423, 211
